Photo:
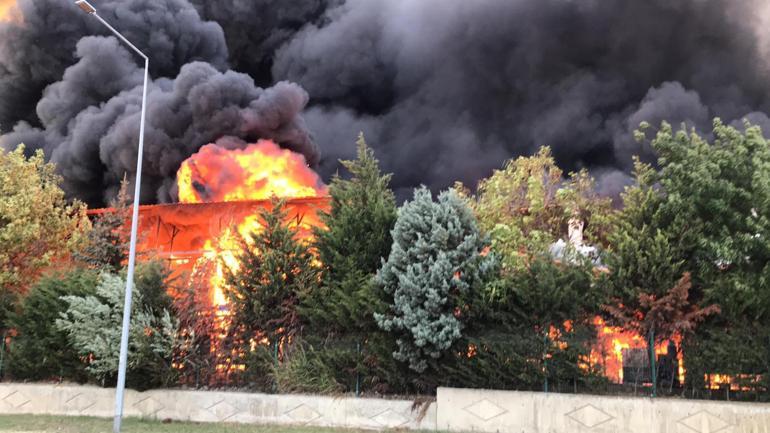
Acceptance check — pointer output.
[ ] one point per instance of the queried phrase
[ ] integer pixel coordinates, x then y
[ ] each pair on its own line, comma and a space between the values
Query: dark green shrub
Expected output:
40, 351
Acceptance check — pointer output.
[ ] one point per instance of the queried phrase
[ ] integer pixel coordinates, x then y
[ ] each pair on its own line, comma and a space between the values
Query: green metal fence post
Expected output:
2, 353
545, 361
653, 370
358, 370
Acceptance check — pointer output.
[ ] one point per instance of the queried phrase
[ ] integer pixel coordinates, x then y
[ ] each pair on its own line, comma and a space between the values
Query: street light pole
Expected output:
120, 390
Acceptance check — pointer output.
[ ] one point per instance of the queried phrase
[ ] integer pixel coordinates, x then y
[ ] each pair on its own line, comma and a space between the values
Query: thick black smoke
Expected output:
255, 29
83, 108
94, 143
36, 48
448, 89
444, 89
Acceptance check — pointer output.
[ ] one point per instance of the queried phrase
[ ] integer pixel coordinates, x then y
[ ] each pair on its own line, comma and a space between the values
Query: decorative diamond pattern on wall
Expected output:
79, 403
303, 413
704, 422
589, 416
16, 399
222, 410
149, 406
390, 419
485, 410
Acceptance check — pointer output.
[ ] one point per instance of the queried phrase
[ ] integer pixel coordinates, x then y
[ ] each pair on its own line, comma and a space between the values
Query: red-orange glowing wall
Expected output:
178, 232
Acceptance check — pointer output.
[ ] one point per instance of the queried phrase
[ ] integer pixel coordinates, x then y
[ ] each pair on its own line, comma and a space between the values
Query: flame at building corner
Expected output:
258, 172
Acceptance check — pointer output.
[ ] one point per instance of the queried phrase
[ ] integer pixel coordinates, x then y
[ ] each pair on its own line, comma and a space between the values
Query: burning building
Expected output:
221, 191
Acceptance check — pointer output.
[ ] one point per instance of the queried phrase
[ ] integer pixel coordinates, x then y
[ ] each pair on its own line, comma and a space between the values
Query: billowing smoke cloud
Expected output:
447, 90
444, 89
37, 48
255, 29
86, 115
95, 143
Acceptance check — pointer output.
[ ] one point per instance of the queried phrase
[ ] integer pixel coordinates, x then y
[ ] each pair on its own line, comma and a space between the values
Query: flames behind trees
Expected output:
257, 172
222, 191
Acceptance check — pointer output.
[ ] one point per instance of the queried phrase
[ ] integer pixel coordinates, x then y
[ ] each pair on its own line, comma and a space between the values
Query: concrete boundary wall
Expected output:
455, 410
210, 406
528, 412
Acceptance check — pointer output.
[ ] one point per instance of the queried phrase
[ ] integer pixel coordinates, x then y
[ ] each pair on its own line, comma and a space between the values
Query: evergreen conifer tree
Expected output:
40, 351
351, 247
276, 269
106, 246
435, 266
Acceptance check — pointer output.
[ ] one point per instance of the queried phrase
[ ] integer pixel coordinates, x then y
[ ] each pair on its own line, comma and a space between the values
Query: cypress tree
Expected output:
276, 269
41, 351
351, 247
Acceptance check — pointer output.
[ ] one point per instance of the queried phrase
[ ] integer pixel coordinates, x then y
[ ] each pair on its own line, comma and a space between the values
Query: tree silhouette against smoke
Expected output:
445, 89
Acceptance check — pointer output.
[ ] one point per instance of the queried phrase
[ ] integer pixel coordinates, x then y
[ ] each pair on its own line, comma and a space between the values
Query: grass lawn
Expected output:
60, 424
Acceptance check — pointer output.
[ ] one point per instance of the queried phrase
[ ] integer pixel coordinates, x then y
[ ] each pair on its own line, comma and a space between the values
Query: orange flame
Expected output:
612, 341
6, 9
258, 172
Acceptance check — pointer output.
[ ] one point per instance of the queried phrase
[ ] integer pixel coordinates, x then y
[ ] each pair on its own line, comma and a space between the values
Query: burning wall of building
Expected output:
221, 192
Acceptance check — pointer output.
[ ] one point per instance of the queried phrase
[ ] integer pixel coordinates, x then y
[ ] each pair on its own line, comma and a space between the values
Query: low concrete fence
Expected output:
528, 412
460, 410
208, 406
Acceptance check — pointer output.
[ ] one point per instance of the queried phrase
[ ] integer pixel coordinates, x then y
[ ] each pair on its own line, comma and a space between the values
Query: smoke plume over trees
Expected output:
445, 90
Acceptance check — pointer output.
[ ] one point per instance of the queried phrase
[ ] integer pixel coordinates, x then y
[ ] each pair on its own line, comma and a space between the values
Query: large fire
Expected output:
221, 192
616, 343
258, 172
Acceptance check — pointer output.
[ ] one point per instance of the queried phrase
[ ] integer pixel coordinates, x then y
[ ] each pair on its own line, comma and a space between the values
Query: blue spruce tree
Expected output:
435, 265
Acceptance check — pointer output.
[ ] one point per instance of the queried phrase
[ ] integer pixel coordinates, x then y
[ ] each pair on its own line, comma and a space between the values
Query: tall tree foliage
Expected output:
40, 351
275, 270
355, 239
37, 225
538, 302
525, 207
711, 217
435, 267
93, 324
106, 244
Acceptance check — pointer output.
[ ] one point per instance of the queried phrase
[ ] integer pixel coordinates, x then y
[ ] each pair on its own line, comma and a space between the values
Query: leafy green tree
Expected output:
106, 244
712, 215
40, 351
526, 206
93, 324
37, 225
355, 239
435, 267
276, 268
643, 257
535, 319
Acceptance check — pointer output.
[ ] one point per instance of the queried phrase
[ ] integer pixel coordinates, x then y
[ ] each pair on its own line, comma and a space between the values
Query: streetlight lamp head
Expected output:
87, 8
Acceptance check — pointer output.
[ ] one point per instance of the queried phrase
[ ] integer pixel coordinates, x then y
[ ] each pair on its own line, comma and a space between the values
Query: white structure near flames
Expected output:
566, 251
